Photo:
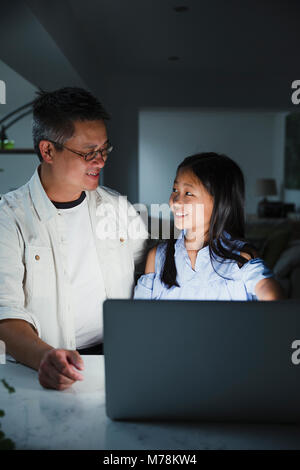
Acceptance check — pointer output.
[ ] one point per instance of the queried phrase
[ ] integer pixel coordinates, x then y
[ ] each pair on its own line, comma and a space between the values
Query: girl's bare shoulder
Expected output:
150, 263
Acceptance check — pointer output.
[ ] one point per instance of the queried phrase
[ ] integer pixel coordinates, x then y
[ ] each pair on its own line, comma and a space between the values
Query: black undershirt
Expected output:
68, 205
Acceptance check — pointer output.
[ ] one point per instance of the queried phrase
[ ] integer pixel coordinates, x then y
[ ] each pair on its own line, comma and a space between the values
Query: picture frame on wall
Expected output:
292, 152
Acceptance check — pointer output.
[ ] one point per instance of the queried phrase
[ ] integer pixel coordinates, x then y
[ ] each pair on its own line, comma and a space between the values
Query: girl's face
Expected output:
191, 203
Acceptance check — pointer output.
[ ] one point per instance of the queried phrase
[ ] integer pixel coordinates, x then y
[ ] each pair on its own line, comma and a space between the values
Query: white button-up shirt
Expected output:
34, 285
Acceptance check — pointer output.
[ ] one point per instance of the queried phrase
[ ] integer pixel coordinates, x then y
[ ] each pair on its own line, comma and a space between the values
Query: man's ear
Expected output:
46, 149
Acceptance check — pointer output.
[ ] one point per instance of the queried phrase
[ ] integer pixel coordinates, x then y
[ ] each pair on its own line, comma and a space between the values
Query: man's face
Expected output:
71, 170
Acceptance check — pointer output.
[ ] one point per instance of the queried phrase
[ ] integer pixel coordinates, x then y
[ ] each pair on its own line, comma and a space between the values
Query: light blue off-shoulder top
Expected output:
202, 283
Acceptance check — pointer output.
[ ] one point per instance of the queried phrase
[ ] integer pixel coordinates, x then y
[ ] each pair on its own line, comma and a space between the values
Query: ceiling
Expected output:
85, 43
237, 54
231, 36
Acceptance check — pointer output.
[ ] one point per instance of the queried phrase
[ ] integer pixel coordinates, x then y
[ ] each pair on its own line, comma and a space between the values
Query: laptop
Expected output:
202, 360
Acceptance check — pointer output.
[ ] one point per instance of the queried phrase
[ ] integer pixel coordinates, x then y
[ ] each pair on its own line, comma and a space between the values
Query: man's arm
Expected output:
18, 327
22, 342
55, 366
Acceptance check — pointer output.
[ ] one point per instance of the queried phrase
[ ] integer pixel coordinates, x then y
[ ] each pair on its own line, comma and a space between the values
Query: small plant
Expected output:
5, 443
9, 388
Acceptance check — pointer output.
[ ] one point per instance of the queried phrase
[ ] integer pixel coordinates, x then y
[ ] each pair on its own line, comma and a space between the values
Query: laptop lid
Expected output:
202, 360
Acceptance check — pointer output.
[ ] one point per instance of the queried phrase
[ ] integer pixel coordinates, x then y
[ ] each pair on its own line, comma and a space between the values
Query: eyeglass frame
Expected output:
84, 155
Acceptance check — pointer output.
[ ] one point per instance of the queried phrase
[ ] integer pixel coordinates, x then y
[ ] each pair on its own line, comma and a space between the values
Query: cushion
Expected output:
258, 232
275, 245
289, 259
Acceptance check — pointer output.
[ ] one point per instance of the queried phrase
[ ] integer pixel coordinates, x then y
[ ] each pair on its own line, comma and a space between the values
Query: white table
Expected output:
36, 418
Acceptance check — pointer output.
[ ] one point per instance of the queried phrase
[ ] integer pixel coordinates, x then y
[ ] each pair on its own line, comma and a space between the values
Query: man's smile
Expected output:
93, 174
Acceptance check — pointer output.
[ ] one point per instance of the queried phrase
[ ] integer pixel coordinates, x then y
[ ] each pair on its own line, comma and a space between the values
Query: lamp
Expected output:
4, 142
267, 187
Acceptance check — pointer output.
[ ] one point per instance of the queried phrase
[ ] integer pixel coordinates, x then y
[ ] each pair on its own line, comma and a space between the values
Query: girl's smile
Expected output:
191, 205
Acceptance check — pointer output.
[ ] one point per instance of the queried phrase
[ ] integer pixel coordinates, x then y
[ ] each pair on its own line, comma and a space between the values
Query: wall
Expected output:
126, 95
253, 139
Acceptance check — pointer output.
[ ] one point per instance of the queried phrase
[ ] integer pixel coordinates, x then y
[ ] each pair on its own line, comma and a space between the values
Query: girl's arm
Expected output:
144, 287
269, 289
150, 263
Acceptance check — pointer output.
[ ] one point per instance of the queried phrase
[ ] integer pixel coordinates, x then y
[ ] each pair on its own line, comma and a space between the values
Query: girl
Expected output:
211, 259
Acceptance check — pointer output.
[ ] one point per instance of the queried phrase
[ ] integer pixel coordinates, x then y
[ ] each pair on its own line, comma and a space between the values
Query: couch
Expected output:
278, 243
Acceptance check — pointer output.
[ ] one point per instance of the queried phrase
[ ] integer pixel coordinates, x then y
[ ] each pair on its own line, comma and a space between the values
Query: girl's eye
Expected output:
176, 191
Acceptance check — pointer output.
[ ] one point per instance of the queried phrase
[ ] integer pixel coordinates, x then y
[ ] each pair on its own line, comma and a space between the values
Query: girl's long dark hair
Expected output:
224, 181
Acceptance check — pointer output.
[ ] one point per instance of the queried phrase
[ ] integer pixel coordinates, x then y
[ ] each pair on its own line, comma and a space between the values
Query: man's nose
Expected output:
99, 160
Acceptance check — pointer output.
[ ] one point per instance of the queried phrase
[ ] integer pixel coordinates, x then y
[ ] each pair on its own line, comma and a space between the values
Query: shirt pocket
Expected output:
122, 267
126, 255
40, 273
121, 257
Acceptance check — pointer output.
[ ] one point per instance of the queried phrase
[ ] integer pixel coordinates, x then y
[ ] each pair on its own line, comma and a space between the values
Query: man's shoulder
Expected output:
15, 199
108, 191
110, 195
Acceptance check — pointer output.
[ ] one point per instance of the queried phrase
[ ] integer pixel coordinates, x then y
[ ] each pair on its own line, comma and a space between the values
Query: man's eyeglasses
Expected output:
90, 155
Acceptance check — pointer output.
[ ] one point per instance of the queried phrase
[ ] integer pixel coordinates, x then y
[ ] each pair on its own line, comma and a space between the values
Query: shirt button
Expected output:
37, 257
122, 240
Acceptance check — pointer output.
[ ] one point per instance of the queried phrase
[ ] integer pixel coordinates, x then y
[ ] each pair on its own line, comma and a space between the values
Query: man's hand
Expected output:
57, 369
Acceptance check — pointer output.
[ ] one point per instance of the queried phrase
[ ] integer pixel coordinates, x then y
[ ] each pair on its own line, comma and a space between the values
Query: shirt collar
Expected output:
43, 205
180, 241
180, 247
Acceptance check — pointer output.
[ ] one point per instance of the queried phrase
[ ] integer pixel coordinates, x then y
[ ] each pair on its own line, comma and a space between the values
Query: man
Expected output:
57, 265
